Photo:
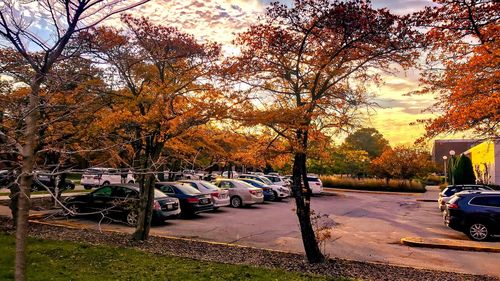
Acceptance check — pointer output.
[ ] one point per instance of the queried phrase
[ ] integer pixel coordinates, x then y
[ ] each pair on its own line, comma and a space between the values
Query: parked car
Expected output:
477, 214
315, 184
232, 175
96, 177
240, 192
277, 180
266, 190
121, 202
450, 190
280, 192
7, 177
42, 181
192, 200
220, 197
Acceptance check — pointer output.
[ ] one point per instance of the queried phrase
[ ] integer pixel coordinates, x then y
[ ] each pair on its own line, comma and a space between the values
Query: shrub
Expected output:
373, 184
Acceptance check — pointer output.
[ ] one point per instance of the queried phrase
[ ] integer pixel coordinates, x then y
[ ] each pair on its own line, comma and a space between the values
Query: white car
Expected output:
234, 175
315, 184
280, 191
220, 197
95, 177
277, 180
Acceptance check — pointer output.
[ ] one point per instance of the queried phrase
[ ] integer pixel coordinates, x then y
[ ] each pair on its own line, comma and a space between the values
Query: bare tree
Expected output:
19, 32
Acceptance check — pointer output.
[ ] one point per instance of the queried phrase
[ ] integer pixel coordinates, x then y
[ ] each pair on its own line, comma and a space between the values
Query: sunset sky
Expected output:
220, 20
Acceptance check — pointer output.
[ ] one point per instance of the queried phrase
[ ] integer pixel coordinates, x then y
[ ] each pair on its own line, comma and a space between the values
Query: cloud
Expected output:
211, 20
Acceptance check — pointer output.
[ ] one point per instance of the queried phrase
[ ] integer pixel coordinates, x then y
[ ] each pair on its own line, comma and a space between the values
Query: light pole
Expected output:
452, 176
445, 171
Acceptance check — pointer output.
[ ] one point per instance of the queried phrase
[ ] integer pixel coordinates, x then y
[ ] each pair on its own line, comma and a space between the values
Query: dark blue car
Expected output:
192, 200
476, 213
266, 190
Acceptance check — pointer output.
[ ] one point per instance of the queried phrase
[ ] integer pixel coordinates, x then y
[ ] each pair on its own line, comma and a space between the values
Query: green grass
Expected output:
59, 260
45, 192
372, 184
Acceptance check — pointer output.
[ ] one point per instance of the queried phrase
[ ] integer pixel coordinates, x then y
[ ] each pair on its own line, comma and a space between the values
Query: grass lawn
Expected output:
46, 192
59, 260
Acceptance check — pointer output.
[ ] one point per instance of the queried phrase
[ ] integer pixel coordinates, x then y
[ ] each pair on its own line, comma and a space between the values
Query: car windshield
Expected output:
186, 189
253, 182
265, 180
208, 185
158, 193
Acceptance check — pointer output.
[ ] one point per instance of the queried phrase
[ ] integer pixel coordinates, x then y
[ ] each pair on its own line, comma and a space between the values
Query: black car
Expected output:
192, 200
43, 181
121, 202
476, 213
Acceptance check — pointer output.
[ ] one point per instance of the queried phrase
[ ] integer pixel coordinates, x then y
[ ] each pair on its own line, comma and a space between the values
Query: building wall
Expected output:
486, 161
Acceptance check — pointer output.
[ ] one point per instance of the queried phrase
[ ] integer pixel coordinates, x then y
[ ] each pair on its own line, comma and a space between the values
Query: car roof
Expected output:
478, 192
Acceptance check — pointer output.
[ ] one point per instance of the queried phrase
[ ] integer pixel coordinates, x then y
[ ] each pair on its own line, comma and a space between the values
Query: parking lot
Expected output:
366, 227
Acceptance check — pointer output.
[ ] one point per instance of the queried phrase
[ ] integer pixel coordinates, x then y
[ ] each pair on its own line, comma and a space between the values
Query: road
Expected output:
363, 226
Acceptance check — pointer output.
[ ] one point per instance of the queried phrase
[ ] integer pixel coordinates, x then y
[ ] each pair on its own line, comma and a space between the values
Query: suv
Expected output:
96, 177
477, 214
450, 190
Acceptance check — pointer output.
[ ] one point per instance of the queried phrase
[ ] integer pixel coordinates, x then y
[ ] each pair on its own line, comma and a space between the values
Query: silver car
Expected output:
220, 197
280, 191
241, 193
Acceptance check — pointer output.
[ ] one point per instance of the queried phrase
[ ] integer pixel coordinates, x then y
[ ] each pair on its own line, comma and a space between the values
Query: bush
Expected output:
434, 180
373, 184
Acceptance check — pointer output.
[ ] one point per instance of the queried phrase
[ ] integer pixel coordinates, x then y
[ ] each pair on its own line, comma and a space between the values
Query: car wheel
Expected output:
236, 202
130, 181
276, 198
478, 232
105, 183
73, 210
87, 187
132, 218
34, 188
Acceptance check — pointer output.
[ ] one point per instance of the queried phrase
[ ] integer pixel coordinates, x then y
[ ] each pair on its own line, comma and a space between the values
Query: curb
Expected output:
331, 189
448, 244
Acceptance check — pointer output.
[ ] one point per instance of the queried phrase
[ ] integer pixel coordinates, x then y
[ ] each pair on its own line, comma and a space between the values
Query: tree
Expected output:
464, 66
163, 89
299, 66
65, 19
464, 172
403, 162
367, 139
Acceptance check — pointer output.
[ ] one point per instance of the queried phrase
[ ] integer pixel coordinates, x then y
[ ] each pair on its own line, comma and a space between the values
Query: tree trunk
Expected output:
145, 208
26, 179
303, 210
147, 189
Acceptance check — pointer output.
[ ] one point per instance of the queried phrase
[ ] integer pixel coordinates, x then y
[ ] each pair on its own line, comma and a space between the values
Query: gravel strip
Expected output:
242, 255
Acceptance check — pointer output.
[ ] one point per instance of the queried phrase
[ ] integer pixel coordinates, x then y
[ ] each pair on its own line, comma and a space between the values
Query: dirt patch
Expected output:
241, 255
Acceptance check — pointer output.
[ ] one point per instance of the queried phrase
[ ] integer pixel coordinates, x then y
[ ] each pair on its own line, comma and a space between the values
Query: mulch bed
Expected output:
241, 255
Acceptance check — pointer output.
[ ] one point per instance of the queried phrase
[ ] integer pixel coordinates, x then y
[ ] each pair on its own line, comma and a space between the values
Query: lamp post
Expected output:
452, 176
445, 170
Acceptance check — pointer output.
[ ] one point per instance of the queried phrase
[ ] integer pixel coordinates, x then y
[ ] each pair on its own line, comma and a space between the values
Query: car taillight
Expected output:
254, 192
453, 206
156, 206
193, 200
215, 194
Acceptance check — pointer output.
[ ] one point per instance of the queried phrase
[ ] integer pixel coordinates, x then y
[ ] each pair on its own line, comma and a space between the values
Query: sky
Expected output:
219, 21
